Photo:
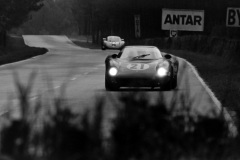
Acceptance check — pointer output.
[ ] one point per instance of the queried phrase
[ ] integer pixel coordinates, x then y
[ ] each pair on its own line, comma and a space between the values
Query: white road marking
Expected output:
74, 78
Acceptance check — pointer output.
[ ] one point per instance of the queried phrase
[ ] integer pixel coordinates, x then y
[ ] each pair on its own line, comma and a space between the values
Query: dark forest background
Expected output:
99, 18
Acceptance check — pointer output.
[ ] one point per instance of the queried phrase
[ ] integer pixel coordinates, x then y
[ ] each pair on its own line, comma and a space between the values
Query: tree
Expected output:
55, 17
105, 17
82, 12
13, 13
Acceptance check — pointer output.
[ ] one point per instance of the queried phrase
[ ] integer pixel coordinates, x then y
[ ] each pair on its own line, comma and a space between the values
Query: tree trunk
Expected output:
4, 38
79, 30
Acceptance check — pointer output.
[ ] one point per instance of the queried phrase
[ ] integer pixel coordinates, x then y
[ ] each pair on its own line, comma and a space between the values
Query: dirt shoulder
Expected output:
220, 74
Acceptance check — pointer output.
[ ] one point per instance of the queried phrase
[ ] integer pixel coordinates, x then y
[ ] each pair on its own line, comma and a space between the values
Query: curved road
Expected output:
82, 71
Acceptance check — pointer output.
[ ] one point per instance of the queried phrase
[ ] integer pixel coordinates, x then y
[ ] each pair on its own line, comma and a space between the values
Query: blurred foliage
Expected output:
143, 131
49, 129
14, 13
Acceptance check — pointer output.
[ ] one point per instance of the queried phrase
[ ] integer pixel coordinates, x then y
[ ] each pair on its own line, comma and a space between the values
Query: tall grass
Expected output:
141, 130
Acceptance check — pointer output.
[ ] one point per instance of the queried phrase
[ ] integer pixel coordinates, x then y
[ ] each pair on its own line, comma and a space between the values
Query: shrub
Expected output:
141, 130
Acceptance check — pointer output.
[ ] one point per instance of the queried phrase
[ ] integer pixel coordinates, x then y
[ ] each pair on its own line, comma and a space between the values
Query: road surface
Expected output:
82, 70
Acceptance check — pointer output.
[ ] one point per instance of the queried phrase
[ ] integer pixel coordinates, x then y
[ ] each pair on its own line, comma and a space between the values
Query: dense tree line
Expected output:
15, 12
99, 18
104, 17
55, 17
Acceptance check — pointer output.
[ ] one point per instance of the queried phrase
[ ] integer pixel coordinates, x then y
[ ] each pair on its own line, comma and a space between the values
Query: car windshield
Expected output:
135, 53
113, 39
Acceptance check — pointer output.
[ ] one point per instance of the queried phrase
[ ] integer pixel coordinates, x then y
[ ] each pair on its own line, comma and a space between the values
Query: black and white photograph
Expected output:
119, 79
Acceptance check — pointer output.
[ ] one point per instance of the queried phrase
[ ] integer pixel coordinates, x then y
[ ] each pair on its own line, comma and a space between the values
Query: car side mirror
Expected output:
122, 39
104, 39
168, 56
114, 56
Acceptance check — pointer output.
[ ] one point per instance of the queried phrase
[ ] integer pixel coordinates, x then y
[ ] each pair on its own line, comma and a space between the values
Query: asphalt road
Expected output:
81, 71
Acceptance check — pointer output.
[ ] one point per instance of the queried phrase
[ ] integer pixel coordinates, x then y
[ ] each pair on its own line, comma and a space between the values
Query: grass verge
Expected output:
220, 74
16, 50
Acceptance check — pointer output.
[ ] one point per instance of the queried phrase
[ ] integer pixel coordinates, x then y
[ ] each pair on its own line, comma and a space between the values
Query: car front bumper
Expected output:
113, 46
140, 82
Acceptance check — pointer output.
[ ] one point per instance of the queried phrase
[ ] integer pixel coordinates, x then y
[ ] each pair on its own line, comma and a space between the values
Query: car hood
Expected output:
138, 68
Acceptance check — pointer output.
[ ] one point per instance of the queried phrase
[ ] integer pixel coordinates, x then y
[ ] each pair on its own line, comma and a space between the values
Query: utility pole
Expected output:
137, 19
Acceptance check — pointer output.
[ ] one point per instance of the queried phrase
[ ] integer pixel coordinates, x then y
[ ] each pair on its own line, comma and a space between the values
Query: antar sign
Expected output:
233, 17
184, 20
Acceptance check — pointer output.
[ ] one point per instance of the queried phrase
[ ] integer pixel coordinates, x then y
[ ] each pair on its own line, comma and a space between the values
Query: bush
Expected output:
141, 130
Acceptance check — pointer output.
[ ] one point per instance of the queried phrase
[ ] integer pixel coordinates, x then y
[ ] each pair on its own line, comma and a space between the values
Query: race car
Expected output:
112, 42
141, 66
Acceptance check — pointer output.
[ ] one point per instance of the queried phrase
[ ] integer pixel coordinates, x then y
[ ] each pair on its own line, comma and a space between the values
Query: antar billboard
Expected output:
233, 17
182, 20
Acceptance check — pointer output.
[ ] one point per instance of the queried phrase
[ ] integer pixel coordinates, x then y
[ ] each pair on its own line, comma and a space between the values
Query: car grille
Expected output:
136, 82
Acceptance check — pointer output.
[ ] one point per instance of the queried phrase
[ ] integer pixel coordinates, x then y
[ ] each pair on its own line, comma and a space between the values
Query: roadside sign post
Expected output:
233, 17
173, 33
137, 26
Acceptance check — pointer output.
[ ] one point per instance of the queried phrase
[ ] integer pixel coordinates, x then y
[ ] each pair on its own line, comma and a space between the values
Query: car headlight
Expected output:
113, 71
161, 72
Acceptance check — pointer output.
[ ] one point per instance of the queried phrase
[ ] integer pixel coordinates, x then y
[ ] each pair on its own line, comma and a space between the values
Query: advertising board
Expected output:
233, 17
182, 20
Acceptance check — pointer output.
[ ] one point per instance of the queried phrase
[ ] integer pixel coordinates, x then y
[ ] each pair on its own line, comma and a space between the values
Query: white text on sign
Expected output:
233, 17
185, 20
